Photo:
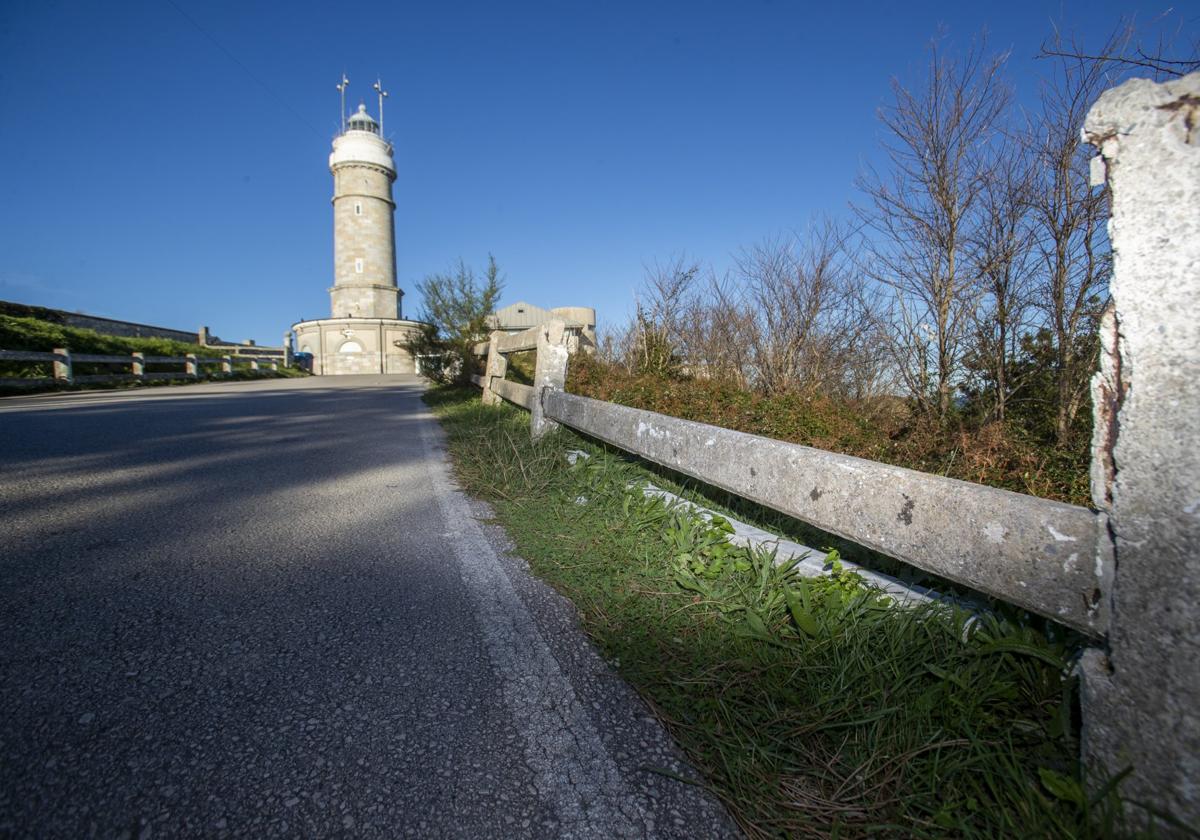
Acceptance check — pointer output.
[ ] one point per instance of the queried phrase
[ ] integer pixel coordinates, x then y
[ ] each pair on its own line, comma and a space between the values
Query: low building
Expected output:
521, 316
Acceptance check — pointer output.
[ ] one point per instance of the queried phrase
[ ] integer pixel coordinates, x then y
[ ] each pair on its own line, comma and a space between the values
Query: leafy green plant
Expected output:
457, 305
1020, 454
34, 334
814, 707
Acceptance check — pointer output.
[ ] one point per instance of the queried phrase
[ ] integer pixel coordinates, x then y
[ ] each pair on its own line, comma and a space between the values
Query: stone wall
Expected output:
106, 326
364, 301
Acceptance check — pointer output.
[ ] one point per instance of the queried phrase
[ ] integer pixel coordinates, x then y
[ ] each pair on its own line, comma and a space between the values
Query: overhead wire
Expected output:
250, 73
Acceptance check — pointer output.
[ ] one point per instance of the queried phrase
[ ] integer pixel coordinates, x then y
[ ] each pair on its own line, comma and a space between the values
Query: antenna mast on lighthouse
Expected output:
342, 85
382, 95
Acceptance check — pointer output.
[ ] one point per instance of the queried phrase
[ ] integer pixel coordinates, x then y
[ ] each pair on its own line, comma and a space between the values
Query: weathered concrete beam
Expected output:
515, 343
120, 377
497, 366
514, 392
549, 374
1032, 552
95, 358
27, 356
1141, 696
26, 382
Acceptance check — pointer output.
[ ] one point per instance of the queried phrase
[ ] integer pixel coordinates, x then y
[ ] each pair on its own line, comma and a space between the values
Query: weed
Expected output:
21, 333
1018, 456
813, 707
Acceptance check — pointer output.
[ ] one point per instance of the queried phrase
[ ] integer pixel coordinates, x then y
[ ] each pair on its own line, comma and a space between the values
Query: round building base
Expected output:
342, 346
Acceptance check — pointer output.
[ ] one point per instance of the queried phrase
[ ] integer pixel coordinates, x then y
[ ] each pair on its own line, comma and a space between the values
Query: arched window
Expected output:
350, 346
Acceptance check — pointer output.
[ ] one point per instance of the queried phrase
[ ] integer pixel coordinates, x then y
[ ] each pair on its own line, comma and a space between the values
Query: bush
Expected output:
887, 429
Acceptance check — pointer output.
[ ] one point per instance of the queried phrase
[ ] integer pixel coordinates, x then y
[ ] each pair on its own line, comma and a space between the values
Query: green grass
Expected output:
521, 366
812, 708
38, 335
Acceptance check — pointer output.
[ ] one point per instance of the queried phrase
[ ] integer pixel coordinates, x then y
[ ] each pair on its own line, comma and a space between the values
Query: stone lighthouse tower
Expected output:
364, 243
365, 332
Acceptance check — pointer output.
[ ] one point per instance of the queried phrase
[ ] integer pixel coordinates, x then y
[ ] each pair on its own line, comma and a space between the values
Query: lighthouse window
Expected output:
358, 208
358, 266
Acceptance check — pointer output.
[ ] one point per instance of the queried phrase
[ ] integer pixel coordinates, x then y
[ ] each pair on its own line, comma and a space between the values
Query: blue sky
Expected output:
167, 161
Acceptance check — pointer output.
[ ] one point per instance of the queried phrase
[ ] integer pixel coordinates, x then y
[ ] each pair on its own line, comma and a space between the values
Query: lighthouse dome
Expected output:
362, 121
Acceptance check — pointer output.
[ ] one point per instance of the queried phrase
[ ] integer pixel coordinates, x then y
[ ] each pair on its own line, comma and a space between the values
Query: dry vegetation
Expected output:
951, 326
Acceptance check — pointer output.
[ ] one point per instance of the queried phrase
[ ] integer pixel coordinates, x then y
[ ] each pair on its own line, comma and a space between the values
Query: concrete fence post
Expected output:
254, 365
1141, 694
226, 365
550, 373
138, 364
190, 368
63, 371
274, 366
497, 366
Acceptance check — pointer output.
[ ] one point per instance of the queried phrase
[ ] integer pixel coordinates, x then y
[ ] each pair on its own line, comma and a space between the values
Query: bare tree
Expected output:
1069, 215
714, 340
1125, 52
659, 321
1003, 251
798, 299
922, 217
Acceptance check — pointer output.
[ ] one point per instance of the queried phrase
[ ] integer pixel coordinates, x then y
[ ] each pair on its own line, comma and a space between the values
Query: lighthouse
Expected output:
364, 241
365, 331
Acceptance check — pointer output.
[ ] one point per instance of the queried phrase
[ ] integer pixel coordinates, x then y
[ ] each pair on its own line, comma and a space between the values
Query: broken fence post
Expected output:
1141, 695
62, 365
550, 373
497, 366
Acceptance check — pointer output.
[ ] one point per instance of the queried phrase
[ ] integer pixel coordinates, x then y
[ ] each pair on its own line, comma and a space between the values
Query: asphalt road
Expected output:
263, 609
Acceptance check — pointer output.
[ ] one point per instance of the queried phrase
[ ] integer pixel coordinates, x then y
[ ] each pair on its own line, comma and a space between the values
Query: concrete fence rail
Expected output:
514, 392
64, 361
27, 356
1127, 574
92, 358
1034, 553
518, 342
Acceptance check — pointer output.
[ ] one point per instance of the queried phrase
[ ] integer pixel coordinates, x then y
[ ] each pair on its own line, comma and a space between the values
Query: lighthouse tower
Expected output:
364, 244
365, 332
